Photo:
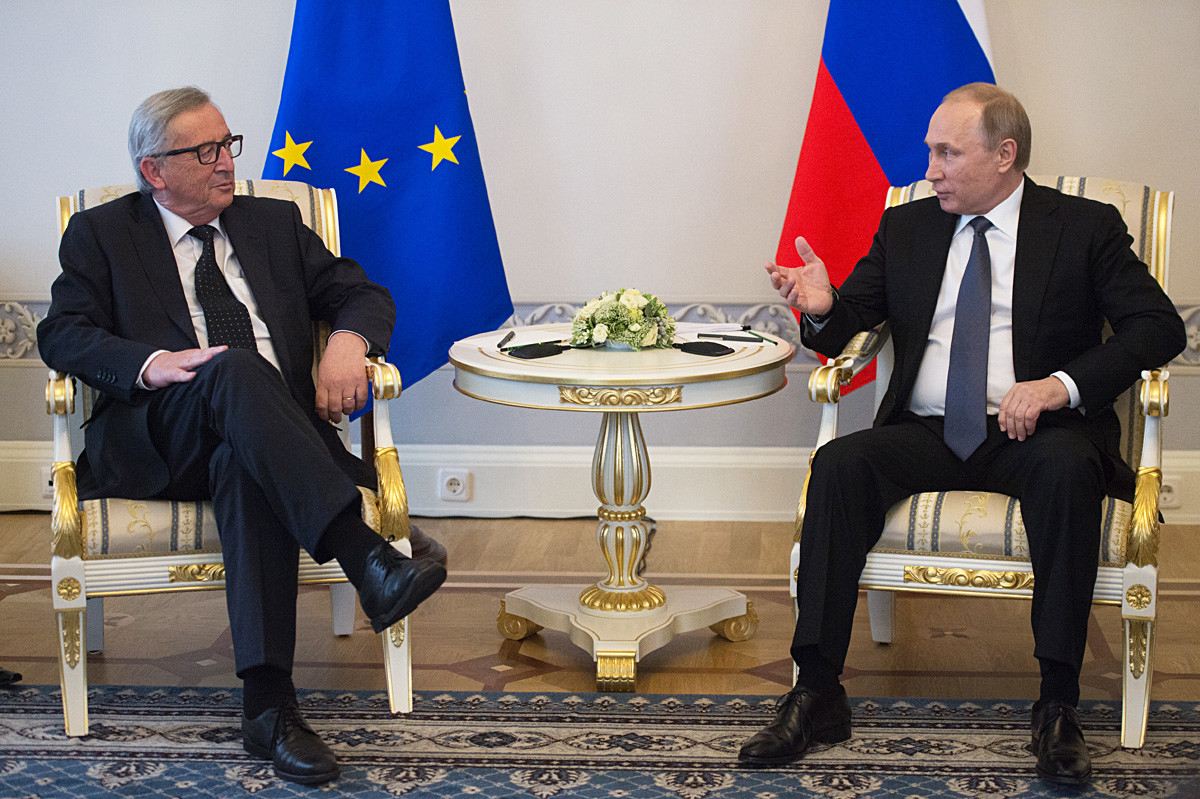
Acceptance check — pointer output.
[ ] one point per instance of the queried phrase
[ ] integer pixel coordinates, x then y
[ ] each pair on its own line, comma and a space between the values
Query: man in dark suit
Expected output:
1021, 404
190, 310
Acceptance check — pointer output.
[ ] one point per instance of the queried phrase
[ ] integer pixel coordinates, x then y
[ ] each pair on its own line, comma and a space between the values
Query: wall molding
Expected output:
19, 318
752, 484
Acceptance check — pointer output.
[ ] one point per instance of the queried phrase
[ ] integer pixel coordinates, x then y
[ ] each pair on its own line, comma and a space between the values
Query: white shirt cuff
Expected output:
141, 381
1072, 389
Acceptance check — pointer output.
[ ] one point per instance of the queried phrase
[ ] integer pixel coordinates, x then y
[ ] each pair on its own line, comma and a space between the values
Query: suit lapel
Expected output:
153, 247
1037, 242
929, 268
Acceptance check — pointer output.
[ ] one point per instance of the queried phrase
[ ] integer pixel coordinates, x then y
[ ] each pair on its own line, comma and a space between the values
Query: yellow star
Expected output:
292, 153
440, 147
367, 171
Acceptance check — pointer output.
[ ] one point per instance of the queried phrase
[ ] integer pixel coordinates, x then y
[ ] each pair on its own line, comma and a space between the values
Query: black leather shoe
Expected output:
1062, 755
802, 717
393, 585
282, 736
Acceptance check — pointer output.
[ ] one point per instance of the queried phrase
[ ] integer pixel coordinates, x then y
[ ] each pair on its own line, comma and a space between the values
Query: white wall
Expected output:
625, 142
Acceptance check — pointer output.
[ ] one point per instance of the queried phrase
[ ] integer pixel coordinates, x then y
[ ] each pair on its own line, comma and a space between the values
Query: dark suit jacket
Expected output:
1074, 270
119, 298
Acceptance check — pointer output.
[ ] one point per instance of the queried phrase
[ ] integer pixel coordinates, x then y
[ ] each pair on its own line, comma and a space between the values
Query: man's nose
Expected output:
224, 159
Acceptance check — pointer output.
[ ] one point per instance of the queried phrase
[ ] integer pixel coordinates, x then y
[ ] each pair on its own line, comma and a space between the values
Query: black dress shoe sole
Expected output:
1065, 779
301, 779
421, 588
830, 735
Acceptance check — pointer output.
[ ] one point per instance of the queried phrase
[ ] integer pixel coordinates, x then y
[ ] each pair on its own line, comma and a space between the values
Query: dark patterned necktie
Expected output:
227, 320
966, 382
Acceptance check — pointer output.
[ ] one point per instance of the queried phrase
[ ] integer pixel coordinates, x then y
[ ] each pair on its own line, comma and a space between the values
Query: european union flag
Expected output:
374, 106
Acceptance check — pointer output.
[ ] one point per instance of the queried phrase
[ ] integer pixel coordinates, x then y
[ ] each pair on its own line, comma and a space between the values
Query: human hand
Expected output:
805, 288
177, 367
1025, 402
342, 376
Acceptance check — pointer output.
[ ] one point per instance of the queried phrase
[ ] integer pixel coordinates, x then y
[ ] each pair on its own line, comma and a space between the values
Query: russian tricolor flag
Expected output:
884, 69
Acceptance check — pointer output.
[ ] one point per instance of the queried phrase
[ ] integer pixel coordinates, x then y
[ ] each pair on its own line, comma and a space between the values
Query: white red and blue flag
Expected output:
884, 69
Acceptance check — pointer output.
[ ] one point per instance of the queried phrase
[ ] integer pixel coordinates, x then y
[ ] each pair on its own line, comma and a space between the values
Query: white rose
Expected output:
633, 299
635, 327
600, 333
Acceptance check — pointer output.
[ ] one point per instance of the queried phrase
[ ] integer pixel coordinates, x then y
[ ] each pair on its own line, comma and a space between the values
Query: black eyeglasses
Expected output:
207, 153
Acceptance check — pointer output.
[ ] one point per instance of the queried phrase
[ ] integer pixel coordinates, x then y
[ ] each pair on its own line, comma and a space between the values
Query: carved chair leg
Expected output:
397, 665
72, 669
1139, 673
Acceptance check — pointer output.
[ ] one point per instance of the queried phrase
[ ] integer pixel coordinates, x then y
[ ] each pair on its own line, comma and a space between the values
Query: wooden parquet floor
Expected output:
946, 647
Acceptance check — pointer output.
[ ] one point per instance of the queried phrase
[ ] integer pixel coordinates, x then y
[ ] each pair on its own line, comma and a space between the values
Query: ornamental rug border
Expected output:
186, 743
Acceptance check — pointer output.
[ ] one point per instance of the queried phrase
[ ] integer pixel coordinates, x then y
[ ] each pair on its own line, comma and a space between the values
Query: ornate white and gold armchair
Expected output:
113, 546
973, 542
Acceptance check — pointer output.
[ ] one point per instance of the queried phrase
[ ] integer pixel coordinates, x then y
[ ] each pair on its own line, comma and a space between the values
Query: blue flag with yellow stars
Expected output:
374, 106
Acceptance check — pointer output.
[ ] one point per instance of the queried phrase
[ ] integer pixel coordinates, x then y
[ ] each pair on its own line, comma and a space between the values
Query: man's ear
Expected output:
149, 168
1007, 154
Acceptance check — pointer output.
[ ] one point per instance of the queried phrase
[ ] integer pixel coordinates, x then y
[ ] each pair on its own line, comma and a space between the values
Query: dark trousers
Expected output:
277, 476
1057, 474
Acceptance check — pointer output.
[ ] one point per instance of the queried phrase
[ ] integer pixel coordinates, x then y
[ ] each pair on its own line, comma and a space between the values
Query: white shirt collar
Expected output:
1004, 217
178, 227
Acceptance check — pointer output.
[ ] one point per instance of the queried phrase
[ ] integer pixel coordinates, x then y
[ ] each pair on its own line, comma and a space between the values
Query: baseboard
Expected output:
692, 483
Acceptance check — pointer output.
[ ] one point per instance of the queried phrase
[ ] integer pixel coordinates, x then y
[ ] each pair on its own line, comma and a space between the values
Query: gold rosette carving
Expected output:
968, 578
619, 397
196, 573
1138, 596
396, 633
69, 589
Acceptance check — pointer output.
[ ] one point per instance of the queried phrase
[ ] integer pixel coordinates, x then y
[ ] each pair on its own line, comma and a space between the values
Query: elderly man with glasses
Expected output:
190, 310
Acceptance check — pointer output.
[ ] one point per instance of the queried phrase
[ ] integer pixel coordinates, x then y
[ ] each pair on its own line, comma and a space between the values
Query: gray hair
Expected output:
148, 126
1003, 117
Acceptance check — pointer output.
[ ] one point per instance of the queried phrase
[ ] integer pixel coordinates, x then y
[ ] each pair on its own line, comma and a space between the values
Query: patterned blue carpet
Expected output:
151, 742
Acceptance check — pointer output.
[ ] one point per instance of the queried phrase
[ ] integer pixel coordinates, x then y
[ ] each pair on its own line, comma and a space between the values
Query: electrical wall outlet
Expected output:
454, 485
1169, 494
47, 483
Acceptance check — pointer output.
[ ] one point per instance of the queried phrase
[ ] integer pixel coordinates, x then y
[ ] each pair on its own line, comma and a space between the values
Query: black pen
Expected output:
507, 338
724, 337
534, 344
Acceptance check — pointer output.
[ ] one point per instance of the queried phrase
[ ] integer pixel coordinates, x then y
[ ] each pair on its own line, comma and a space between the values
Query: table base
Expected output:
617, 641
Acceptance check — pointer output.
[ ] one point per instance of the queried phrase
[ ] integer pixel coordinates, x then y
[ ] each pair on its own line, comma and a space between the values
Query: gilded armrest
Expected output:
825, 386
1154, 396
64, 517
825, 383
393, 499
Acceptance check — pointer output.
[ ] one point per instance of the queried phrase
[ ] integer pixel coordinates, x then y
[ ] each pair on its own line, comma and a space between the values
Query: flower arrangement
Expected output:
625, 316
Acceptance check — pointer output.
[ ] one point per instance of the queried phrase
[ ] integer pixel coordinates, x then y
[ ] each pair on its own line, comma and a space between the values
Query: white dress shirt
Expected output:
187, 249
929, 393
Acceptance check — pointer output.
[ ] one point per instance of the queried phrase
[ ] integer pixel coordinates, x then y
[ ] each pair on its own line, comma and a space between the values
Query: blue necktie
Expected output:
966, 383
227, 320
